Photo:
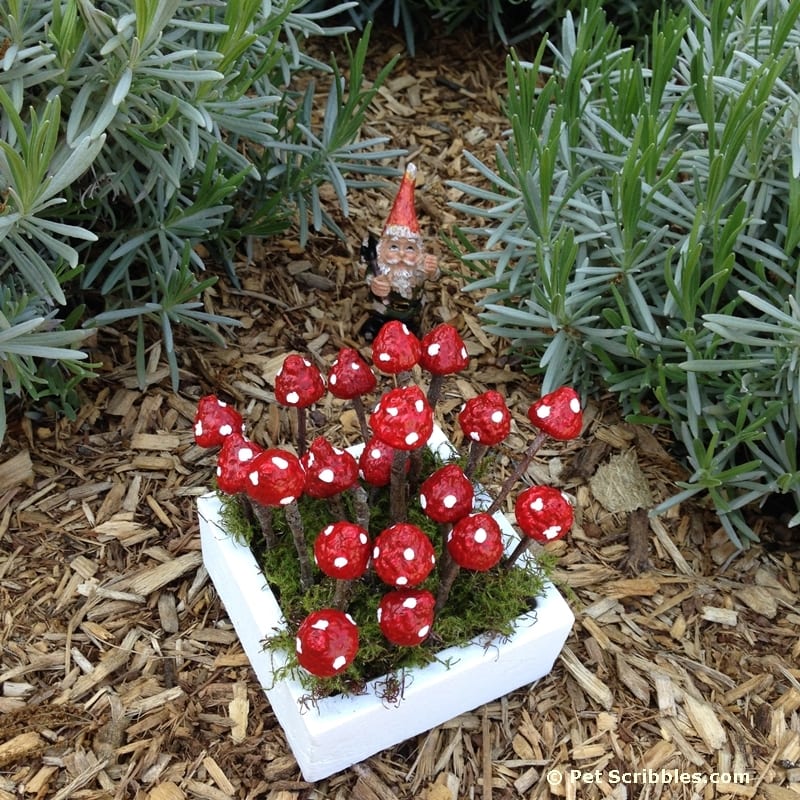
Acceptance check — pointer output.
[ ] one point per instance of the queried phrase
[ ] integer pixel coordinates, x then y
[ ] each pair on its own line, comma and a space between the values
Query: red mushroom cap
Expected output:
558, 414
275, 478
447, 495
403, 555
214, 421
375, 462
328, 469
543, 513
395, 349
443, 351
485, 419
350, 376
327, 642
342, 550
298, 383
476, 542
405, 616
403, 418
233, 463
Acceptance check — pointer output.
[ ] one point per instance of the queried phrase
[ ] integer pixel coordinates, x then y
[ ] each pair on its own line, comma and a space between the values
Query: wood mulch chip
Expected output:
121, 676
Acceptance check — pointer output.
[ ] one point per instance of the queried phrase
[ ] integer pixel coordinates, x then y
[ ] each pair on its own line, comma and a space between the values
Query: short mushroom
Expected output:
405, 616
299, 384
557, 414
276, 478
543, 514
233, 463
475, 542
403, 555
404, 420
326, 642
328, 469
443, 353
214, 421
342, 551
395, 349
486, 421
349, 378
375, 462
447, 494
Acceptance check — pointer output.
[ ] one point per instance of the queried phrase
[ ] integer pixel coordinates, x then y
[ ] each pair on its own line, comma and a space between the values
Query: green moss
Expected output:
481, 605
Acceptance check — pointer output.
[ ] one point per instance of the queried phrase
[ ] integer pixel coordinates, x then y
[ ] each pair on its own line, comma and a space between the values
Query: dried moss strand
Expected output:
517, 473
295, 524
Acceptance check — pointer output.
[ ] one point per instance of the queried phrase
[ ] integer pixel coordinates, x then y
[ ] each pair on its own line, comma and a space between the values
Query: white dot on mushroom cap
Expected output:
449, 501
419, 405
380, 613
363, 538
340, 562
327, 476
328, 531
222, 403
306, 362
375, 453
376, 551
401, 581
537, 504
475, 436
284, 501
481, 535
350, 619
219, 471
198, 428
392, 411
434, 348
332, 380
245, 454
405, 329
298, 645
339, 662
253, 478
384, 357
292, 398
321, 625
552, 531
410, 602
225, 430
543, 412
497, 416
412, 438
355, 366
575, 405
423, 502
423, 631
464, 352
280, 463
409, 554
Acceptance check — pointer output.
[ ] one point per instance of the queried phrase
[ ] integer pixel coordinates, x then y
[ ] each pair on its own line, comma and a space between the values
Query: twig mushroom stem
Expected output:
523, 546
448, 572
361, 415
263, 515
523, 465
397, 490
476, 452
295, 524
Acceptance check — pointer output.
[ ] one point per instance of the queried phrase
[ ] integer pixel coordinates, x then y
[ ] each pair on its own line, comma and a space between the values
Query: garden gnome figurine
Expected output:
397, 264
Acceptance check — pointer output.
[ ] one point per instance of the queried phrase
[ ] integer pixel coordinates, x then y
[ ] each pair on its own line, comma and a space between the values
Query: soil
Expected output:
121, 675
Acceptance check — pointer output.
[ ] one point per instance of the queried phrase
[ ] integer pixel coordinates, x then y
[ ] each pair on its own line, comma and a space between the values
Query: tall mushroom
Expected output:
404, 420
327, 642
349, 378
277, 479
395, 349
403, 555
405, 616
485, 420
475, 542
558, 415
543, 514
443, 353
342, 551
214, 421
299, 384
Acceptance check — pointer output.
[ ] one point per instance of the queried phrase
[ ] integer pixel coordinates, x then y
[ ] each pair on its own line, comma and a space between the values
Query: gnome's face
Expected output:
404, 251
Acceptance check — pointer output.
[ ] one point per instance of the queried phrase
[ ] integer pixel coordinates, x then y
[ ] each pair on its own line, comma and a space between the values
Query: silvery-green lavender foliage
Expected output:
133, 130
640, 229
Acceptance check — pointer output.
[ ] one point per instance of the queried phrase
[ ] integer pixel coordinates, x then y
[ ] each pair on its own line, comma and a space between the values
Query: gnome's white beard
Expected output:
404, 279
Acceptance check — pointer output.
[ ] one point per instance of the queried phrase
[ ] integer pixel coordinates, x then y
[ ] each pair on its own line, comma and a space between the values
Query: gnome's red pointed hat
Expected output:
402, 219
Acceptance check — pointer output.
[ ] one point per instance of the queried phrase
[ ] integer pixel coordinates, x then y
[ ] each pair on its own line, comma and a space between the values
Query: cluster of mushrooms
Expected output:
401, 555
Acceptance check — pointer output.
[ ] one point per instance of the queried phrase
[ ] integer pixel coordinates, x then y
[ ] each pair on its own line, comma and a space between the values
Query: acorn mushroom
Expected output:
405, 616
404, 420
475, 542
403, 555
277, 479
443, 352
349, 378
395, 349
558, 415
299, 384
214, 421
447, 494
342, 551
326, 642
485, 420
543, 514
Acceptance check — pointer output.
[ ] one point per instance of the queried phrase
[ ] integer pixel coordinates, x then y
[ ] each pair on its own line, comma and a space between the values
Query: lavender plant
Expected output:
133, 130
640, 229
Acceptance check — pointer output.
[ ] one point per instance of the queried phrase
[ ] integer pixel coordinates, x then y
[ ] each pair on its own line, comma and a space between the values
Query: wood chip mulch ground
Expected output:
121, 676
